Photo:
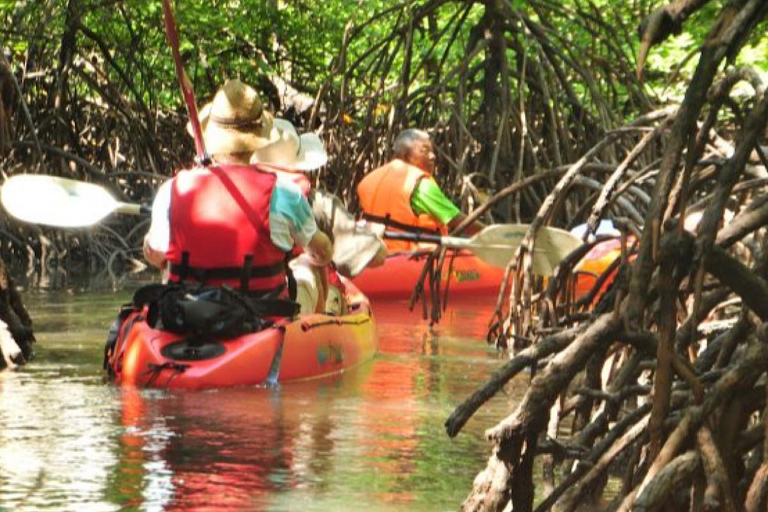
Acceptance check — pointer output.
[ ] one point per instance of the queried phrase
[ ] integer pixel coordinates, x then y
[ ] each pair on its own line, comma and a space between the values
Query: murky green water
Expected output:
372, 439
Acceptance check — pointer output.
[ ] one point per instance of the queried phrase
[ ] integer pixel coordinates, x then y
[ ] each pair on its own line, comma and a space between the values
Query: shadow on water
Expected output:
371, 439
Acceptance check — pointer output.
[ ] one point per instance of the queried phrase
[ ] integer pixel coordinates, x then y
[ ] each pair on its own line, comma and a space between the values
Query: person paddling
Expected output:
231, 223
355, 247
404, 196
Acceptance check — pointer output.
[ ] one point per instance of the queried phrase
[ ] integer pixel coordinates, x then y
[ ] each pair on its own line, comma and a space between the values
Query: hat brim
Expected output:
312, 155
221, 139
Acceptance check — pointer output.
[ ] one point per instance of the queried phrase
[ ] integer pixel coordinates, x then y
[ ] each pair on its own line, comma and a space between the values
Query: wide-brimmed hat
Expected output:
299, 152
235, 121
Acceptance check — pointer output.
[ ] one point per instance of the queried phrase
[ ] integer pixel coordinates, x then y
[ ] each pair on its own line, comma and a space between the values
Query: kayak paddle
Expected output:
60, 202
496, 244
186, 85
66, 203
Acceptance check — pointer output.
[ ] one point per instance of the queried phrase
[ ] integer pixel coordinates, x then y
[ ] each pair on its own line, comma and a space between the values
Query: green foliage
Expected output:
401, 62
672, 63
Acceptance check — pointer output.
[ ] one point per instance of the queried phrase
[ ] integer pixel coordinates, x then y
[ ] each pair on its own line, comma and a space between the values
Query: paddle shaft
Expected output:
133, 209
453, 242
413, 237
186, 85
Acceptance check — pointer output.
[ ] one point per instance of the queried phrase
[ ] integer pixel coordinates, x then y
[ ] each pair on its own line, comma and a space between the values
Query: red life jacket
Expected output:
219, 220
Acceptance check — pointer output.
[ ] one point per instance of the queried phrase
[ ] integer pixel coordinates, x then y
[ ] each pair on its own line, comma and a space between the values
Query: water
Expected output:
372, 439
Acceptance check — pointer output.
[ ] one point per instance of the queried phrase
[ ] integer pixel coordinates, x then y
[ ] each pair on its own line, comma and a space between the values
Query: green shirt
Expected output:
429, 199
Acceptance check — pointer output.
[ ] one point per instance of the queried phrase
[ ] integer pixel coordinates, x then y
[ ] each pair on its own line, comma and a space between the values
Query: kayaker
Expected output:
404, 196
232, 223
355, 246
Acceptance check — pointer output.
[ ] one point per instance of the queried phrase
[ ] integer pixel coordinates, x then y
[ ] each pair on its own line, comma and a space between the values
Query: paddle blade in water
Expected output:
55, 201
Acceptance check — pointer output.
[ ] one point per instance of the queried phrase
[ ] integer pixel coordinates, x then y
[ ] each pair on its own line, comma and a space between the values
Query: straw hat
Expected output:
300, 152
235, 121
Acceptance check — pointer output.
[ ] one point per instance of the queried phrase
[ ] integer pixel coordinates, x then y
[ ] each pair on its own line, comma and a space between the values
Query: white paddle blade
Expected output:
55, 201
551, 247
496, 245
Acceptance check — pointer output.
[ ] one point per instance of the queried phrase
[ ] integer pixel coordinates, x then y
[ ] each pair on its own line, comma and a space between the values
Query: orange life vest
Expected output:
385, 198
219, 221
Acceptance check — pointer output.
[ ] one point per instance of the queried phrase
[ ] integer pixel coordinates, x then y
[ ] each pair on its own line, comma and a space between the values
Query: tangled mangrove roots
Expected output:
72, 120
16, 336
652, 396
507, 88
496, 82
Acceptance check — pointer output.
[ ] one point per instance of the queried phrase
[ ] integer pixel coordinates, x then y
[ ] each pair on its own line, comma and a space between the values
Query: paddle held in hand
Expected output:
60, 202
496, 244
65, 203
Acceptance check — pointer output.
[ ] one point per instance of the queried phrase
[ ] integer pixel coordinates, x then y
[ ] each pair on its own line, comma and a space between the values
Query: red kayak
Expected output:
307, 347
469, 276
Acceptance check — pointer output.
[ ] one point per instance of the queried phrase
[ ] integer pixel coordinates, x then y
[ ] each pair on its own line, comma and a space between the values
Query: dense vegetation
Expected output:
539, 104
510, 89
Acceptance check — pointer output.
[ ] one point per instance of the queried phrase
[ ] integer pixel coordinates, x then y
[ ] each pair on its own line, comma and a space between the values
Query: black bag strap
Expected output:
183, 268
267, 305
262, 306
203, 274
387, 221
272, 307
290, 278
151, 293
245, 275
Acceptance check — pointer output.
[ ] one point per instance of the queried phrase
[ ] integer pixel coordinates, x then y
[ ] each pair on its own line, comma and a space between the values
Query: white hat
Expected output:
302, 153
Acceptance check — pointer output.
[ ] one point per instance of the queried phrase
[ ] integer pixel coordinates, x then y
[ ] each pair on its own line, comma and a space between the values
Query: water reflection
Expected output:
369, 440
52, 439
227, 450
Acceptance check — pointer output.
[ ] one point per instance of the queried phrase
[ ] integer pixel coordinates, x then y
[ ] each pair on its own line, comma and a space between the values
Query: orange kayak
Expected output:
596, 261
307, 347
469, 276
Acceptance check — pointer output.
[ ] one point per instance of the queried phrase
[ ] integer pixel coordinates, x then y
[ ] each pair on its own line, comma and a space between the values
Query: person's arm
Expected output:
157, 238
291, 222
470, 230
154, 257
429, 199
355, 246
320, 249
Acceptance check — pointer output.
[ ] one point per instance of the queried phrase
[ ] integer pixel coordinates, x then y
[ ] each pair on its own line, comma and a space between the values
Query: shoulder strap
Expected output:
256, 219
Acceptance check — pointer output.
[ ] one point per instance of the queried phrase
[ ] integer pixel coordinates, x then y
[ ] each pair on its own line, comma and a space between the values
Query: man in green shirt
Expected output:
415, 147
403, 194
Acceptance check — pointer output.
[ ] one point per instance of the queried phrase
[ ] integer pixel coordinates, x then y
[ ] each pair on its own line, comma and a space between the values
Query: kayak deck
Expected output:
311, 346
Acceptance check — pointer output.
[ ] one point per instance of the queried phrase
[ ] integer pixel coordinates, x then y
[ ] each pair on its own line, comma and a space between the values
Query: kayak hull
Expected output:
469, 275
311, 346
